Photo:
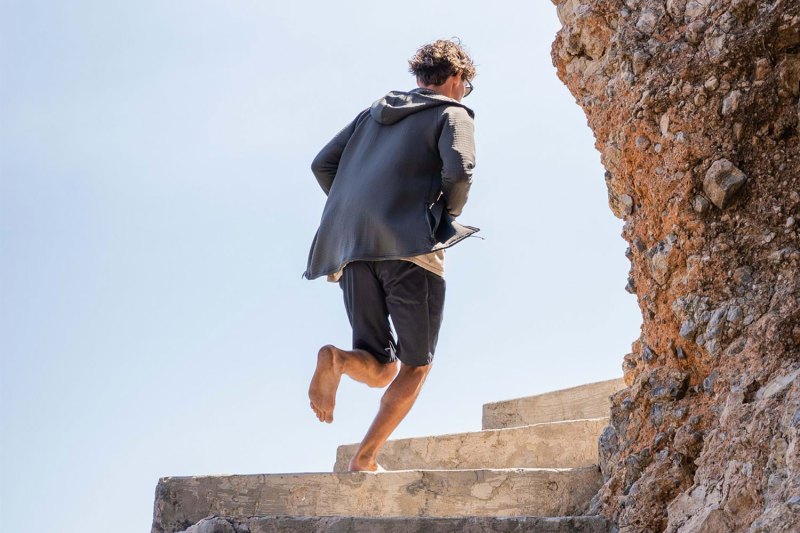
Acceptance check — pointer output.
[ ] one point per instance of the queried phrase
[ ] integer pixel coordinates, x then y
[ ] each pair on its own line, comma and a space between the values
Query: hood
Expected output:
397, 105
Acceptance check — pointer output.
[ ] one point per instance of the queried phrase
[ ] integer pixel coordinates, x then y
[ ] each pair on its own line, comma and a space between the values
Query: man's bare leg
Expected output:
395, 405
332, 363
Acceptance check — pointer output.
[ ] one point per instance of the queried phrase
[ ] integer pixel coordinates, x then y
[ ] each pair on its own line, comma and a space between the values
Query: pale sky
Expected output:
156, 209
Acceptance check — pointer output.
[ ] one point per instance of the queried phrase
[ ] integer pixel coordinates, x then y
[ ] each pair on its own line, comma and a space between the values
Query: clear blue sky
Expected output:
156, 208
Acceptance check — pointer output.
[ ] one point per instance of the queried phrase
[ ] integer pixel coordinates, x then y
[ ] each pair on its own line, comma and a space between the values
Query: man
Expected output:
396, 177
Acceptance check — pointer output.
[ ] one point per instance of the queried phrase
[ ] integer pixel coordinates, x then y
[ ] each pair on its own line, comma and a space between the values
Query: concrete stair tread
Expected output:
348, 524
183, 501
583, 401
563, 444
526, 471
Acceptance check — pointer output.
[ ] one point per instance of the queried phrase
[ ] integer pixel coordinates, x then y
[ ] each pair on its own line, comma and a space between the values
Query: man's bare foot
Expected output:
358, 464
325, 382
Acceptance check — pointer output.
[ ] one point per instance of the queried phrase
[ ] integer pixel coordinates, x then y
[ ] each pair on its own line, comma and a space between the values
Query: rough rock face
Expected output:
694, 107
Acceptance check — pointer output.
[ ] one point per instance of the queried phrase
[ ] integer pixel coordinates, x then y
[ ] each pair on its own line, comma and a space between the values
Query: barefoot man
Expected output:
396, 177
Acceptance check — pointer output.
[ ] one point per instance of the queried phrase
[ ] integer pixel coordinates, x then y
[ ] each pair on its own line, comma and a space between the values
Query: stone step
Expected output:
568, 444
584, 401
349, 524
183, 501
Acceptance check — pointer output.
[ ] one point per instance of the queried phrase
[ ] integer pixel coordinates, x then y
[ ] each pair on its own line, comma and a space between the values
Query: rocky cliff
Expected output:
694, 108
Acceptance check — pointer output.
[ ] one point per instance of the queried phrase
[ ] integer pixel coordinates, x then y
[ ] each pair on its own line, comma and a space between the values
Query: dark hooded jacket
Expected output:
395, 177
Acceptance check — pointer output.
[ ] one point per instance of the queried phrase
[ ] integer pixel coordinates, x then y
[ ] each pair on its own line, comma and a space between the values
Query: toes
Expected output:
322, 415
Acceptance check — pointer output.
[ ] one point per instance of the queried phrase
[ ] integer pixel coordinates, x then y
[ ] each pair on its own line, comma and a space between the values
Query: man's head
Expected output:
443, 66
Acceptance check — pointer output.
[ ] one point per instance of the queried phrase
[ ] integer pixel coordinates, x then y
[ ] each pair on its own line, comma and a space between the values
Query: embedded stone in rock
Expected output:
762, 68
640, 61
648, 354
663, 124
743, 275
688, 330
777, 385
659, 263
700, 99
627, 204
735, 314
642, 142
708, 383
608, 446
695, 8
715, 324
789, 75
731, 103
676, 8
630, 287
647, 21
688, 441
700, 204
694, 32
723, 180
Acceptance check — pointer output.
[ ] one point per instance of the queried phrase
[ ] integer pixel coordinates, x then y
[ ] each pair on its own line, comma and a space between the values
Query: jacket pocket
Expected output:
434, 212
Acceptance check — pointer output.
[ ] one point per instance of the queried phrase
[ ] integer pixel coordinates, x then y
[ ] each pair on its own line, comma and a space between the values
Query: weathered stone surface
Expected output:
575, 403
551, 445
723, 455
183, 501
777, 385
327, 524
723, 180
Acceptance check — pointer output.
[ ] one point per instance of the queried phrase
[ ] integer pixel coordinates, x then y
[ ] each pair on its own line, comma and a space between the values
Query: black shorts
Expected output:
411, 295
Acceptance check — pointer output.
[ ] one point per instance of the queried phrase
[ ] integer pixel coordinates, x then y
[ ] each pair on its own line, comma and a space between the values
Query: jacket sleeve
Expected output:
326, 163
457, 150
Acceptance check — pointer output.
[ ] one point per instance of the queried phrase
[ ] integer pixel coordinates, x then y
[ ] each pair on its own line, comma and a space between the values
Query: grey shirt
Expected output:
396, 177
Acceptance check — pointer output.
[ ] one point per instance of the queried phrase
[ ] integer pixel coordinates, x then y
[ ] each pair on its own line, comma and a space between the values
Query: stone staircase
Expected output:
533, 468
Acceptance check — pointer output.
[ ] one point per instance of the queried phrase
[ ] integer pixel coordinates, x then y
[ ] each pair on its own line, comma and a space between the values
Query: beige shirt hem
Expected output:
432, 262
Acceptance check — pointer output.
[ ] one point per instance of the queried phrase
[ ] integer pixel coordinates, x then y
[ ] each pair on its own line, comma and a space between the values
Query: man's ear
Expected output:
455, 79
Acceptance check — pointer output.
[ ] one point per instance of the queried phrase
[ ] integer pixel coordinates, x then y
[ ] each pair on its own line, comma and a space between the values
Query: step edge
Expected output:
426, 517
553, 392
389, 472
490, 430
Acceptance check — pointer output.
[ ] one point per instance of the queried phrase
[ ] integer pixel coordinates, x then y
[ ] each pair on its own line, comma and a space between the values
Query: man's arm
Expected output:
457, 150
326, 163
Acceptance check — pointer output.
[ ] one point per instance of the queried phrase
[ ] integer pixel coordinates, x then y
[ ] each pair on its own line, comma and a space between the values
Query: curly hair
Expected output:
435, 62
